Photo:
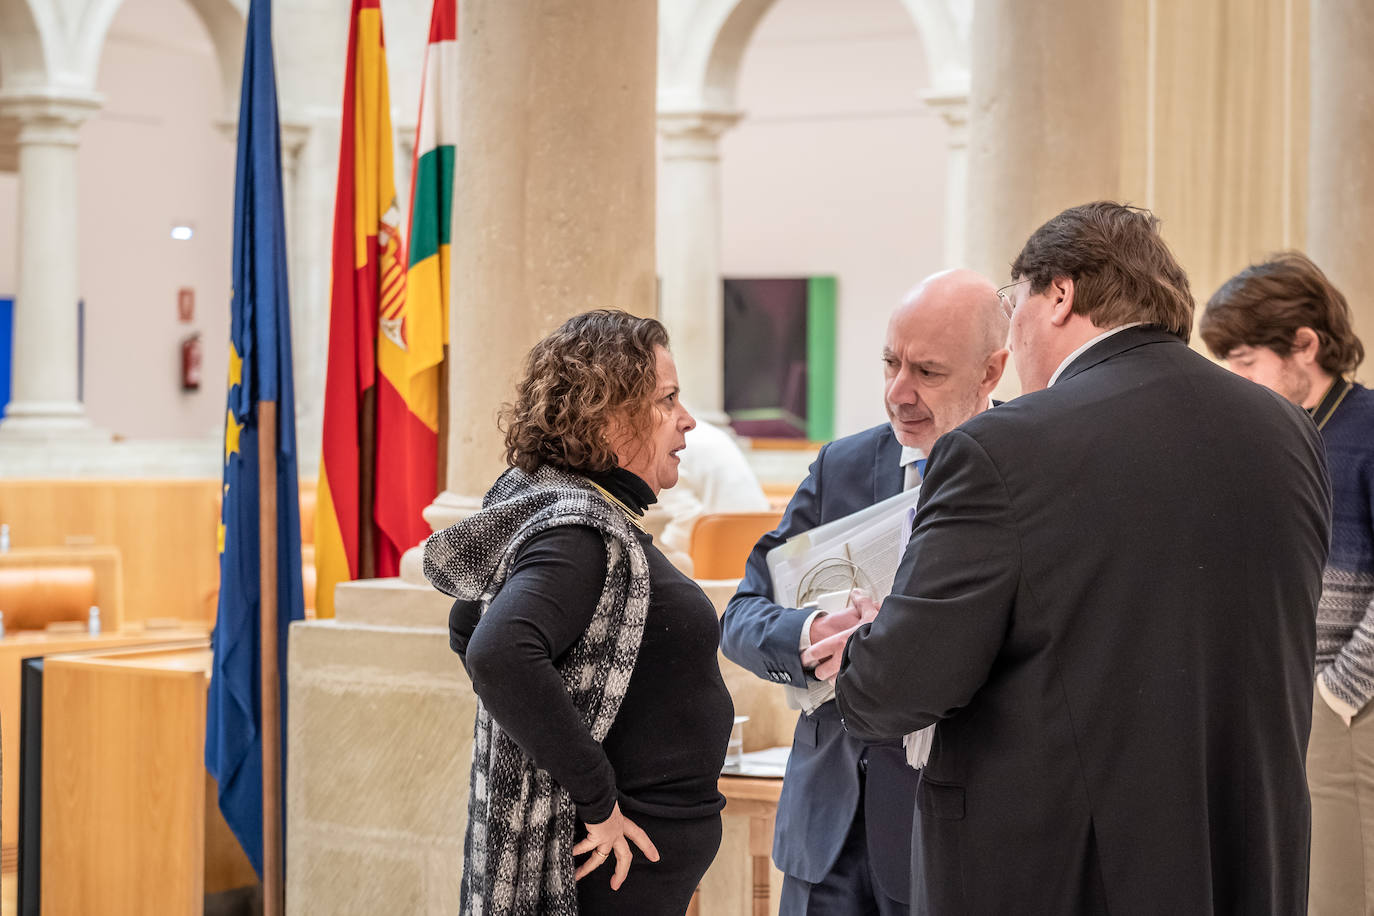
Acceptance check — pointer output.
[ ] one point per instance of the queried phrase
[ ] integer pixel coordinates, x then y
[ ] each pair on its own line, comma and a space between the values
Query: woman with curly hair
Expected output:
602, 718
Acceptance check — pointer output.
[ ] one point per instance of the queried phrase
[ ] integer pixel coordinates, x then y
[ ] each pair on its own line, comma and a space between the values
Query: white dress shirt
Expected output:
1083, 349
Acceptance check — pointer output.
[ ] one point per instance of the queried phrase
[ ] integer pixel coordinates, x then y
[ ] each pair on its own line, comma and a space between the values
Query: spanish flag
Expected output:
414, 332
368, 285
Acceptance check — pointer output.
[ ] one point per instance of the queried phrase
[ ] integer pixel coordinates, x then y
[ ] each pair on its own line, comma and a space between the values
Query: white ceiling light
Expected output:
182, 233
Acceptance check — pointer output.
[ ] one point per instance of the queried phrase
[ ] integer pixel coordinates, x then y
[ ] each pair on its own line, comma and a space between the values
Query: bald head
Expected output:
963, 300
944, 353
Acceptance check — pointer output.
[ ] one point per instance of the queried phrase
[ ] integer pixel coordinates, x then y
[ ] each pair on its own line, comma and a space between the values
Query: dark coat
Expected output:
1108, 606
820, 793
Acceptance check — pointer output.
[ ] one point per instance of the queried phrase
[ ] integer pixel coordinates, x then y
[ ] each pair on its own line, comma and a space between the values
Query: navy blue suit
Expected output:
821, 792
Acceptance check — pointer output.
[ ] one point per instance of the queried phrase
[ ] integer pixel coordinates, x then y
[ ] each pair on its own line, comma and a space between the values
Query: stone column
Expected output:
689, 237
306, 352
1044, 119
952, 105
294, 135
1340, 207
554, 215
553, 201
45, 401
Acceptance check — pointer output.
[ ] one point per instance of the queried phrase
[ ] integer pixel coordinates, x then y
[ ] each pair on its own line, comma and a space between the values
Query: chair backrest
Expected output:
35, 596
721, 542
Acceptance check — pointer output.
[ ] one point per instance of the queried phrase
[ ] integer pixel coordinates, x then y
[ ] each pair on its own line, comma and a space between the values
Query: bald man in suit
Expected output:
843, 833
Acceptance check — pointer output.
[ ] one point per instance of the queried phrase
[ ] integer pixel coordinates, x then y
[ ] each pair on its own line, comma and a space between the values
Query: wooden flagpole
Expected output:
273, 892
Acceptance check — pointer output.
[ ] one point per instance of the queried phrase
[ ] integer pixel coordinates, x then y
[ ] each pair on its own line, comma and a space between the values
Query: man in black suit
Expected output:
1107, 605
843, 832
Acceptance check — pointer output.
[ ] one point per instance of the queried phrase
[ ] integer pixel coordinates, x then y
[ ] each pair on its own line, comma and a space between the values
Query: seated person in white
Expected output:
713, 476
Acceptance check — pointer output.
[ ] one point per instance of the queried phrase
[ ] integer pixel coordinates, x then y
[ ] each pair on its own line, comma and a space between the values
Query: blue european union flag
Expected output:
259, 370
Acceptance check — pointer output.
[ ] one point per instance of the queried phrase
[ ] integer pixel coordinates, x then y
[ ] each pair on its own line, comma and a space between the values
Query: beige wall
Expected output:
838, 168
151, 158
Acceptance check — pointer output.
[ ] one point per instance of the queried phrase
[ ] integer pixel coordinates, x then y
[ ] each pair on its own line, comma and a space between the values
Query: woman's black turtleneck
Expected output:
664, 751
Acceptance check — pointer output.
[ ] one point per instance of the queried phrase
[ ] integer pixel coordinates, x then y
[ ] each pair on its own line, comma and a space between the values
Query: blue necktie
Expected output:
920, 468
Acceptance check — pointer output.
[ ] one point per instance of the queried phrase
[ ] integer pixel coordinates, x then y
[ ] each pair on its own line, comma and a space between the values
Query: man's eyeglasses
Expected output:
1004, 294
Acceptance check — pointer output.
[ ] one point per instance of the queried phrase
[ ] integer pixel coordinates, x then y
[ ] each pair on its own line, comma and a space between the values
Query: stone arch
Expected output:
944, 38
702, 44
225, 22
27, 44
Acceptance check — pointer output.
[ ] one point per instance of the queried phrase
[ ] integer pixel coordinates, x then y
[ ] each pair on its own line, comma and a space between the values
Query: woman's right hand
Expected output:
614, 834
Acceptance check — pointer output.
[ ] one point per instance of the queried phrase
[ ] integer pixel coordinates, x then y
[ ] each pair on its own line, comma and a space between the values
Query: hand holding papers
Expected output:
860, 551
825, 655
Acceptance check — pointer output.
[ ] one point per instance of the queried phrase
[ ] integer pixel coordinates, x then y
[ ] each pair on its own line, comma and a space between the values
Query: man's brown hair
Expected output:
598, 368
1121, 269
1265, 304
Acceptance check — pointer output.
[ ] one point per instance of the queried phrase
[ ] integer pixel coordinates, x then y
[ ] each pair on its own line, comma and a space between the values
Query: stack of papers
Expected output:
861, 550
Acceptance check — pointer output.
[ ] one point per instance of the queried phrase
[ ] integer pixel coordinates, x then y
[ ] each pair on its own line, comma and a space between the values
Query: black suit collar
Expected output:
1115, 345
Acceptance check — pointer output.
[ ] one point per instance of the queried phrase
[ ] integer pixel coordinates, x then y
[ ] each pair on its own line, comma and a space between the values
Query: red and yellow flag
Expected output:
414, 331
368, 288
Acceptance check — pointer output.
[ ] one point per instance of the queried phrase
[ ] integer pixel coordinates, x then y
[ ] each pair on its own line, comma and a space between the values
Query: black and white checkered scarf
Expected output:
518, 850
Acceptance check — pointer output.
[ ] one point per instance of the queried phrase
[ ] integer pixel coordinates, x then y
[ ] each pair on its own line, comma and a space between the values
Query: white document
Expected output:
860, 550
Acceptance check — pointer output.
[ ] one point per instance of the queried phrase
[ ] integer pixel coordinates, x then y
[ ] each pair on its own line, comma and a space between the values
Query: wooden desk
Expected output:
130, 824
756, 798
16, 647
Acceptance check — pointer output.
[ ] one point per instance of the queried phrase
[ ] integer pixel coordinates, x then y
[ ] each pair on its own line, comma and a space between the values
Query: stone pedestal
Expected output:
1340, 213
379, 747
45, 402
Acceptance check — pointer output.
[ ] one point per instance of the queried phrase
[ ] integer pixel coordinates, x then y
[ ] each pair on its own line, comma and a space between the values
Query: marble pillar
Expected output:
553, 201
1044, 119
45, 401
554, 215
294, 136
952, 106
691, 303
1340, 210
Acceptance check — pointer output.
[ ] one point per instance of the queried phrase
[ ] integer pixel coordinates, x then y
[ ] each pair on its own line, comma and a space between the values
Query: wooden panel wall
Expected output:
165, 531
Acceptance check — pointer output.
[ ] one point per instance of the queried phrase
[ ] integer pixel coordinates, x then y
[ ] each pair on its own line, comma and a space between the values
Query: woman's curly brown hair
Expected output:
598, 368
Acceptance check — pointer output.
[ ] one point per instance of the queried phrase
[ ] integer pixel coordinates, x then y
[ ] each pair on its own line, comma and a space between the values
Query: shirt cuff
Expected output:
1338, 706
806, 630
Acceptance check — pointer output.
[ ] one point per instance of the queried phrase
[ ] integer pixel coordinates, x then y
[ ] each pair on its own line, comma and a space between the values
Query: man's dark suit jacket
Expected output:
820, 793
1108, 605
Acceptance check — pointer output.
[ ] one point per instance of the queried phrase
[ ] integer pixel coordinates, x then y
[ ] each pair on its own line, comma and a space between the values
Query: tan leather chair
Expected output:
721, 542
35, 596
